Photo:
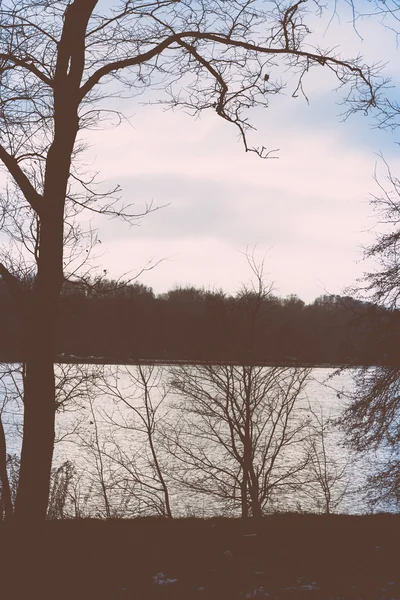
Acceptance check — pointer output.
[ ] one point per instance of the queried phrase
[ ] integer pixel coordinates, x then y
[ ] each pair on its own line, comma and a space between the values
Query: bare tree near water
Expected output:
74, 384
238, 427
118, 443
329, 477
238, 433
139, 397
215, 440
371, 419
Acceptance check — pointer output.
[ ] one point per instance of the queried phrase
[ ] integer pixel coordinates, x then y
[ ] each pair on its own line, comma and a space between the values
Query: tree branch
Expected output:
226, 41
11, 163
122, 64
20, 62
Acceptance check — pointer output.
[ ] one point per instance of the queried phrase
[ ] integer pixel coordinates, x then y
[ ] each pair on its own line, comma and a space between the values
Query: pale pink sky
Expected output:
308, 211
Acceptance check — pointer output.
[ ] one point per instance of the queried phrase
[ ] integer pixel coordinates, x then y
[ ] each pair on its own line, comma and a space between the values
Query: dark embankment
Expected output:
285, 556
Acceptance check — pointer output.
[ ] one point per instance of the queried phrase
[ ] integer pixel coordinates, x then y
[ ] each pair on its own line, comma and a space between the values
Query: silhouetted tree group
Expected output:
121, 322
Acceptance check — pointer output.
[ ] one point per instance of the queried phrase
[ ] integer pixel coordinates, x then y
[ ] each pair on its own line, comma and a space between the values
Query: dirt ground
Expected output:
282, 557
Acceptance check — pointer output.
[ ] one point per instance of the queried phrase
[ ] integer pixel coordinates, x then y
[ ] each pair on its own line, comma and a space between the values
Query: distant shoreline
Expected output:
106, 360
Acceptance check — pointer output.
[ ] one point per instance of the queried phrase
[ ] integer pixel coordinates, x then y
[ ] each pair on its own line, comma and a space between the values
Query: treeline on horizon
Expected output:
120, 322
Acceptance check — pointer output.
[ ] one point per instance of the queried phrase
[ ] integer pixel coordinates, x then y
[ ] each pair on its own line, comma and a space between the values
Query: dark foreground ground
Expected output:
285, 557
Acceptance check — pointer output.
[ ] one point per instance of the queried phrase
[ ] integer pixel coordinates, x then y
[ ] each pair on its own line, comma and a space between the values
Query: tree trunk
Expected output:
247, 441
40, 306
243, 493
40, 315
254, 499
38, 440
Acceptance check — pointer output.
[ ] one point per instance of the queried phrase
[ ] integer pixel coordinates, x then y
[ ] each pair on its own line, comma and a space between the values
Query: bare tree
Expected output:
61, 480
381, 285
74, 384
10, 393
251, 303
103, 475
138, 396
95, 488
371, 423
329, 476
239, 432
58, 62
371, 418
238, 425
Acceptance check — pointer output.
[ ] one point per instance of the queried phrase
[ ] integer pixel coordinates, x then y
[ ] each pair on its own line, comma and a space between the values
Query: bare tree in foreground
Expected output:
58, 62
371, 422
109, 458
128, 427
239, 432
328, 477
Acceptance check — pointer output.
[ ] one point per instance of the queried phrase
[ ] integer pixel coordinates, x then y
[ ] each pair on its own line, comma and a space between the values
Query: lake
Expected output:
138, 441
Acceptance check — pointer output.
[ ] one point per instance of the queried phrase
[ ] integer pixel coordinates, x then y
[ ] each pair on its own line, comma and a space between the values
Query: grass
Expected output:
284, 556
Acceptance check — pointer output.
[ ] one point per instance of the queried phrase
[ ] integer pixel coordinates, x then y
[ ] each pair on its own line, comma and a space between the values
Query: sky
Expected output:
306, 213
